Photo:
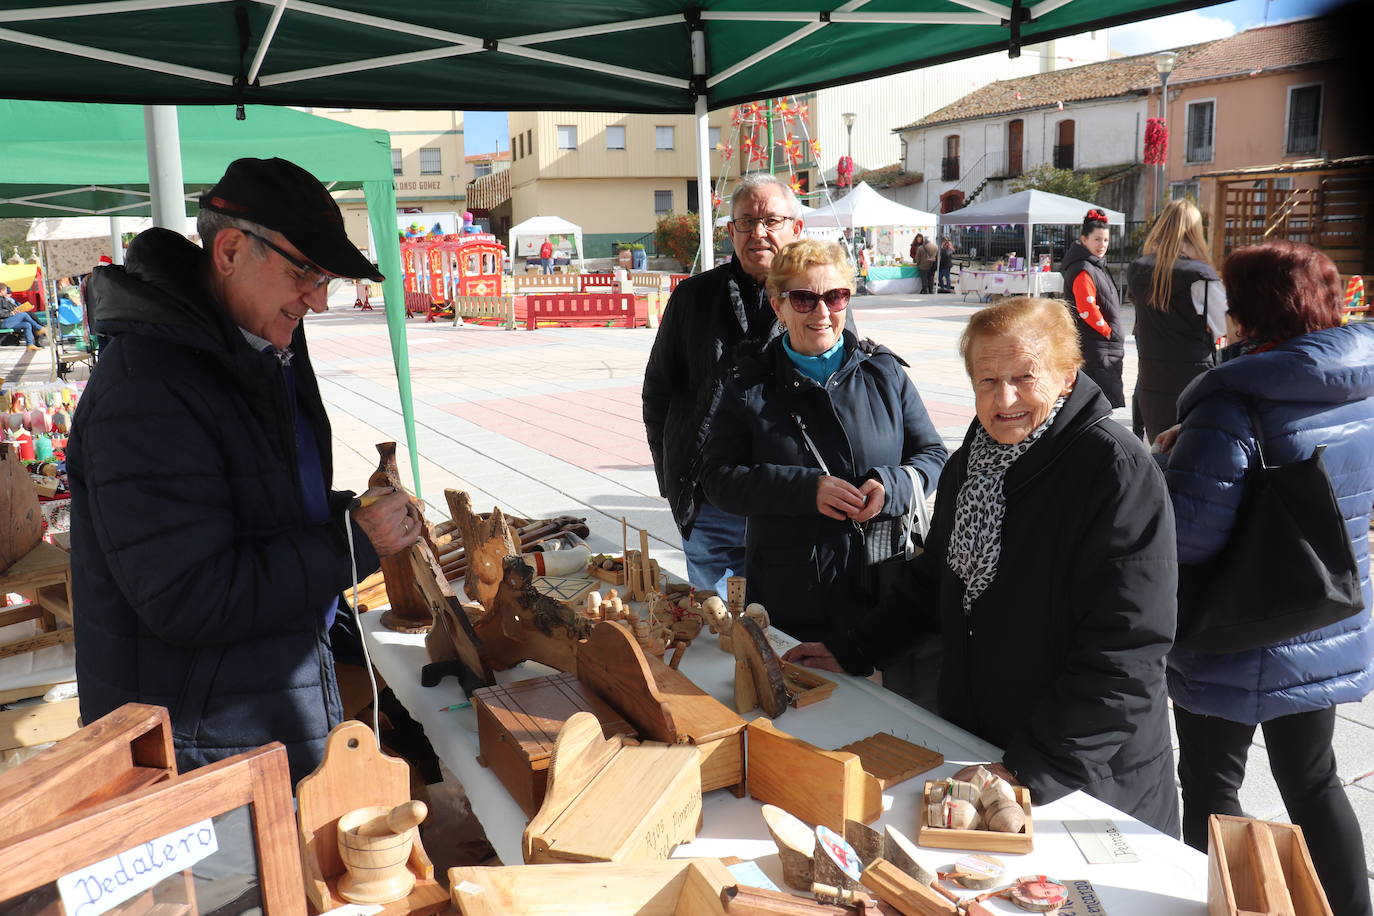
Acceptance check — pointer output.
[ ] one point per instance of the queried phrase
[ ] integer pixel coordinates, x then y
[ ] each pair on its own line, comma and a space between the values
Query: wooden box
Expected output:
612, 800
676, 887
1260, 867
816, 785
982, 840
518, 723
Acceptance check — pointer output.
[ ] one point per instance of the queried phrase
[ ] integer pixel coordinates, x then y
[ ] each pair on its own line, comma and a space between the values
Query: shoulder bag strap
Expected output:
917, 519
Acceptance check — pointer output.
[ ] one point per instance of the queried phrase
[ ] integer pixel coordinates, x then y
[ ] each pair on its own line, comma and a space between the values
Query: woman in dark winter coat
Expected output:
1096, 307
1180, 313
811, 441
1310, 382
1050, 573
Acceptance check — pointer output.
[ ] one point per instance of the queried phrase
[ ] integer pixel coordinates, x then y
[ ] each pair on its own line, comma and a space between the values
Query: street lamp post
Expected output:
849, 118
1164, 65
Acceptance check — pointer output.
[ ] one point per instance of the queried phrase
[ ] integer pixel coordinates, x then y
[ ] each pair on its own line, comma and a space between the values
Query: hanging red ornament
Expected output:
726, 151
844, 172
1156, 141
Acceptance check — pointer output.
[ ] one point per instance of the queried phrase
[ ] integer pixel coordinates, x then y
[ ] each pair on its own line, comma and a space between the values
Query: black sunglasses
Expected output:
311, 276
804, 301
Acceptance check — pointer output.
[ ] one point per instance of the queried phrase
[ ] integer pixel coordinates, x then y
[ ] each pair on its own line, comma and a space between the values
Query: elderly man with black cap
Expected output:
209, 550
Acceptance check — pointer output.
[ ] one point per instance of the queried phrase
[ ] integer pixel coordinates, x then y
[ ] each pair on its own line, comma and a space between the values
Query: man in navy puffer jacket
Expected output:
1311, 383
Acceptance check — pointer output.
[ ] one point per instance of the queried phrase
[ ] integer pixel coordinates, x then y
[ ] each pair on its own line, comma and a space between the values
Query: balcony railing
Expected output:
949, 168
1063, 156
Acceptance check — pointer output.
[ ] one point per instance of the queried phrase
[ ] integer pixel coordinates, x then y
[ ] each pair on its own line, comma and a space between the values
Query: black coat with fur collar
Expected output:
199, 585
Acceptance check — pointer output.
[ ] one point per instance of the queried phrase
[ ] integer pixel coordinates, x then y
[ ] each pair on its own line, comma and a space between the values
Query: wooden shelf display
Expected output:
1260, 868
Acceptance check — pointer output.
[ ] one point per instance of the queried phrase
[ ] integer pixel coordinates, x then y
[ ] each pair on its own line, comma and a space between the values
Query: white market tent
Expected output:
542, 226
55, 228
866, 207
1029, 209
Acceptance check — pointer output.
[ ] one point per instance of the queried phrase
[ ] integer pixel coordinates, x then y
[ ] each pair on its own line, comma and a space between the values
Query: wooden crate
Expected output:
1260, 868
676, 887
981, 840
518, 723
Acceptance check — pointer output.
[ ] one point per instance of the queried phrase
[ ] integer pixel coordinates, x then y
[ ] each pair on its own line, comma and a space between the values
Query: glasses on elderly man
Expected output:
747, 224
309, 277
804, 301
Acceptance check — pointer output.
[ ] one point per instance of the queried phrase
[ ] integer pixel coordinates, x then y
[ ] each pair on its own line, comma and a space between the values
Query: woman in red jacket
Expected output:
1096, 307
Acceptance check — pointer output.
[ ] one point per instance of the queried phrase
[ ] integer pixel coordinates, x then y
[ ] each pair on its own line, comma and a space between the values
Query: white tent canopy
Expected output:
866, 207
1028, 208
544, 226
53, 228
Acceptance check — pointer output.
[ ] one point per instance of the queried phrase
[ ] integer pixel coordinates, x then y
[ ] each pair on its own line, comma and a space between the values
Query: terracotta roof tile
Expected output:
1289, 44
1103, 80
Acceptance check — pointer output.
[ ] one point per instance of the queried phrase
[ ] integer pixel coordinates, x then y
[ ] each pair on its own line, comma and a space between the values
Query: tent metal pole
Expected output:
116, 241
857, 18
705, 194
164, 167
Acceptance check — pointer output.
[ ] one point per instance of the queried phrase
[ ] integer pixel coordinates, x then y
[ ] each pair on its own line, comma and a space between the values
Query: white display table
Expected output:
1170, 878
1009, 282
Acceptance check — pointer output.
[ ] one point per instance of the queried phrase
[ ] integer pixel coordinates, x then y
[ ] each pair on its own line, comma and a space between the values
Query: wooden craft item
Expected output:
818, 786
836, 862
1038, 894
909, 896
976, 872
517, 725
981, 840
735, 588
796, 843
121, 752
720, 621
758, 901
354, 775
526, 533
374, 844
487, 541
758, 671
673, 887
805, 686
648, 581
614, 573
663, 705
1260, 867
901, 852
890, 760
867, 842
568, 589
21, 521
610, 801
524, 625
409, 612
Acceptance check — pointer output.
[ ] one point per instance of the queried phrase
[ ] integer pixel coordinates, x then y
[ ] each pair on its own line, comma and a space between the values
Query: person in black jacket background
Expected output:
1096, 307
1050, 571
811, 442
208, 548
706, 318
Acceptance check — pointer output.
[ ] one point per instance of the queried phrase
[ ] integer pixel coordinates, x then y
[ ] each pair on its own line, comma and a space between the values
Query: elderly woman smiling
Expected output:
812, 442
1050, 573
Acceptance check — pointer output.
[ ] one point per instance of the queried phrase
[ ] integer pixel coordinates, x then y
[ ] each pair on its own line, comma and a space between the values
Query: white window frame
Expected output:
559, 130
479, 167
658, 191
1212, 154
436, 153
658, 137
1288, 115
712, 137
397, 161
611, 127
1184, 187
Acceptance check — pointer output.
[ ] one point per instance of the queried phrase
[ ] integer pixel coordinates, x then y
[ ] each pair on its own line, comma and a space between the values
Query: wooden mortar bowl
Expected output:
377, 871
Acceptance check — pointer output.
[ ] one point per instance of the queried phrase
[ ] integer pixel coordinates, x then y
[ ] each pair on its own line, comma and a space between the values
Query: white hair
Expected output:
756, 182
210, 223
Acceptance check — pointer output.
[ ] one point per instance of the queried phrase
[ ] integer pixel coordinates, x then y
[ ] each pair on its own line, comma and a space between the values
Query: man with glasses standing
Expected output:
209, 549
706, 319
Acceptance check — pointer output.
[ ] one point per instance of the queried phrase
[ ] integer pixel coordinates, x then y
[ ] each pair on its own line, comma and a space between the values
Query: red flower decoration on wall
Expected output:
1156, 141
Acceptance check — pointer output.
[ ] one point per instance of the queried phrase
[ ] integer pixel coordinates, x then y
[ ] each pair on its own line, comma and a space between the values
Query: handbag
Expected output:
1287, 568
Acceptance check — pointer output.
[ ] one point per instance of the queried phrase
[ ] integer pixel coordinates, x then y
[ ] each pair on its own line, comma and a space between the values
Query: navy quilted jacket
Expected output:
1317, 389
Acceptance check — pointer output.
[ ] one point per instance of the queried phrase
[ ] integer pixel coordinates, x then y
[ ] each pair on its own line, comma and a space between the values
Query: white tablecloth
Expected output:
1170, 878
1009, 282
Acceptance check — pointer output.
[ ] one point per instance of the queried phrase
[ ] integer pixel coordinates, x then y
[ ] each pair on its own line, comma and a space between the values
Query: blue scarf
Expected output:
819, 368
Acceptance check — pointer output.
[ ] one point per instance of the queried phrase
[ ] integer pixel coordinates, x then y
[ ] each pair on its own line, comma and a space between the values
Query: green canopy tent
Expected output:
627, 55
67, 159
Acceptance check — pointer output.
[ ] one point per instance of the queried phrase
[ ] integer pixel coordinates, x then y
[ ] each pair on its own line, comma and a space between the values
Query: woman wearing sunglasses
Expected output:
811, 442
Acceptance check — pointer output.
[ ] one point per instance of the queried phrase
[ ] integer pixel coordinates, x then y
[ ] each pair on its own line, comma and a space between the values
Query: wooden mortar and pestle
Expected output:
375, 844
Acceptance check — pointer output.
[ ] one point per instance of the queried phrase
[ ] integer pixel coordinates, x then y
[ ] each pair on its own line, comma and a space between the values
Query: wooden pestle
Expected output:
398, 820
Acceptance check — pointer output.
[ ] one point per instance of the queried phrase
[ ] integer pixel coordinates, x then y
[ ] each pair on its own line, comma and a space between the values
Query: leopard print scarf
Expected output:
975, 547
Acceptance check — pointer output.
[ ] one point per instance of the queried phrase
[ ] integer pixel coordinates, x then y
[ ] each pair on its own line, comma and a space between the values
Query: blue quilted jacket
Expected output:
1317, 389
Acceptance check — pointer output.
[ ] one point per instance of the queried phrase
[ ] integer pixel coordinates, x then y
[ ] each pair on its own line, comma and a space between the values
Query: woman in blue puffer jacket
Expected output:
1311, 382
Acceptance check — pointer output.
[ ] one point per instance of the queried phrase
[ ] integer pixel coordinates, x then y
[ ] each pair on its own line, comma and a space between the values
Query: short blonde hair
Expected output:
1045, 324
795, 259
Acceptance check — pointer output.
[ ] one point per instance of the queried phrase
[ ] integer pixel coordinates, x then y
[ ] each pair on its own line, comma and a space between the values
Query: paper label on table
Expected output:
750, 875
1100, 842
468, 887
355, 909
96, 888
1082, 900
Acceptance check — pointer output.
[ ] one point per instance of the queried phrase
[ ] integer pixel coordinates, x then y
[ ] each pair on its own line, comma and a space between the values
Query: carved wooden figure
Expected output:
409, 612
524, 625
486, 542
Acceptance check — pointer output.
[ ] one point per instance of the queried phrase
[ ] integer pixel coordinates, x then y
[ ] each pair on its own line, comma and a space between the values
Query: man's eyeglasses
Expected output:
747, 224
309, 276
804, 301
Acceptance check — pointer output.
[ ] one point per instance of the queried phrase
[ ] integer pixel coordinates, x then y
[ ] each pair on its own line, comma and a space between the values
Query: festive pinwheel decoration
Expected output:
791, 148
726, 150
816, 150
796, 184
715, 201
785, 109
736, 117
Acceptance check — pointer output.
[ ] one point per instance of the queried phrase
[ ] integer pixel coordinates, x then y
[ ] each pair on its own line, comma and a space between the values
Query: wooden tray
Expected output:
1260, 867
980, 840
675, 887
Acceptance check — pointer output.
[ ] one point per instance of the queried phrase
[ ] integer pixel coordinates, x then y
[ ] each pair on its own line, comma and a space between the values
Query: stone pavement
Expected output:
548, 422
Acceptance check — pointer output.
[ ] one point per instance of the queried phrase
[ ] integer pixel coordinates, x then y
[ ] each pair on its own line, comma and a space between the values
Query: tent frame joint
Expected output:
490, 44
1019, 14
692, 16
824, 16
